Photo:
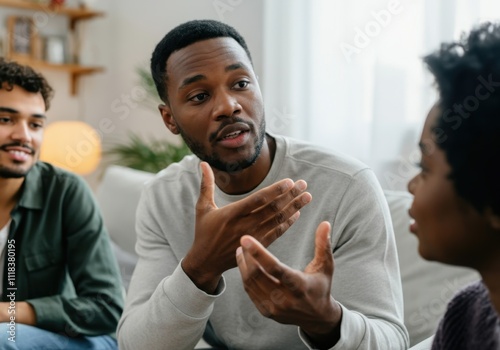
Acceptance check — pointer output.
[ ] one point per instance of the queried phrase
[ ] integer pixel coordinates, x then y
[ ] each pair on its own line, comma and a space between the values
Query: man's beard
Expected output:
8, 173
14, 173
214, 159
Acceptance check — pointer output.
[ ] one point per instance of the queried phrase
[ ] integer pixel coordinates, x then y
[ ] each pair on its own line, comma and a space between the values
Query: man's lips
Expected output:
26, 150
231, 130
16, 147
18, 153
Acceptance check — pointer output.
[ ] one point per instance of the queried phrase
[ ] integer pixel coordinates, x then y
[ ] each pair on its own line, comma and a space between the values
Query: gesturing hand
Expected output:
290, 296
264, 215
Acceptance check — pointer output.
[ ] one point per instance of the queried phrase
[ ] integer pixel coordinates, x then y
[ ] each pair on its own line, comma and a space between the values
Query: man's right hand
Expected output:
264, 215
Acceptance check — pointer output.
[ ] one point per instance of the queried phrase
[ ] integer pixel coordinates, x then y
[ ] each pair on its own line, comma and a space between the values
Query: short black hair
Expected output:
13, 73
467, 74
184, 35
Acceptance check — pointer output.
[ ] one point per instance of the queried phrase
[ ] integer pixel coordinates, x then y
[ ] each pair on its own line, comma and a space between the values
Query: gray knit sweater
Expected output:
470, 322
165, 310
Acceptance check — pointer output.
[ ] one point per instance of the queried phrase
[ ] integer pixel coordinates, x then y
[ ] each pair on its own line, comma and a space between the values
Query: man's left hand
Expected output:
290, 296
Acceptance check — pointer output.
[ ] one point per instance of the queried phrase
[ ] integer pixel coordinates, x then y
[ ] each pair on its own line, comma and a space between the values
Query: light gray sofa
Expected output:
427, 286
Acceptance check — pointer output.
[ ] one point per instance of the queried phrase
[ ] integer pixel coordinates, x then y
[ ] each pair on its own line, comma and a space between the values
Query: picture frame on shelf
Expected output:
21, 34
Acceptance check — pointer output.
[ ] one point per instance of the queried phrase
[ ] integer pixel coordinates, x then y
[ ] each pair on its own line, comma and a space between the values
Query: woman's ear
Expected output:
168, 119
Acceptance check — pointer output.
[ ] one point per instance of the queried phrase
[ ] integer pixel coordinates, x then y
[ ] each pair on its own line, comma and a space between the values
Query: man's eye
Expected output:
199, 97
242, 84
4, 119
36, 125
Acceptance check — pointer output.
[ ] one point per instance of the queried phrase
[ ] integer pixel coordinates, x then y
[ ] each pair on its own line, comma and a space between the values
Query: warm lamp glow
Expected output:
71, 145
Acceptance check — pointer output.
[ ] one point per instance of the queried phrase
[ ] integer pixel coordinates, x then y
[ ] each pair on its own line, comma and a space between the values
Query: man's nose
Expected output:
21, 133
226, 105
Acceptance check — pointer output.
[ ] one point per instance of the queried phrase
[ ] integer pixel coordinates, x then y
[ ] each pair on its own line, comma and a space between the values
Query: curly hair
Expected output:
467, 74
184, 35
12, 73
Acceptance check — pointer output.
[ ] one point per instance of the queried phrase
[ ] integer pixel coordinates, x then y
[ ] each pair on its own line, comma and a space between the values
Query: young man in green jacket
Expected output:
60, 286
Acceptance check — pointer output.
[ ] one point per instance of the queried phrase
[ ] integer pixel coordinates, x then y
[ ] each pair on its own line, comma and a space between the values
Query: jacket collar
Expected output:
32, 192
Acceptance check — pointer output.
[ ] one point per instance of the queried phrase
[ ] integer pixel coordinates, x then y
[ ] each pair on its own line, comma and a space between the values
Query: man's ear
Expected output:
168, 119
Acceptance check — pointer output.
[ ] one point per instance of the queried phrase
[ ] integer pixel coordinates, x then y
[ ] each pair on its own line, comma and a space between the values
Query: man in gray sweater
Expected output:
222, 251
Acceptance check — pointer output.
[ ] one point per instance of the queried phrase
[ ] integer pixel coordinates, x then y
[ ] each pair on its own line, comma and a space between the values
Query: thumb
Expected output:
207, 189
323, 258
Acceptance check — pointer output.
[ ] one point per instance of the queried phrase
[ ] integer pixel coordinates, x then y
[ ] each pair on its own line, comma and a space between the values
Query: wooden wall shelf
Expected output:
74, 70
74, 15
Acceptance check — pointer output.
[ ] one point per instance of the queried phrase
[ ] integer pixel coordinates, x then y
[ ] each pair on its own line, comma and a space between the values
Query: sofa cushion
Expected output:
427, 286
118, 196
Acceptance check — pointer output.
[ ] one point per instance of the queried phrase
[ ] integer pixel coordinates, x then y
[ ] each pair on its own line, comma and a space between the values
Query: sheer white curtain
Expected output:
348, 75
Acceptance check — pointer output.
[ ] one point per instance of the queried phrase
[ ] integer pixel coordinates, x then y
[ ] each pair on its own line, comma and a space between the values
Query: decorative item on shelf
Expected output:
72, 145
21, 32
55, 49
56, 3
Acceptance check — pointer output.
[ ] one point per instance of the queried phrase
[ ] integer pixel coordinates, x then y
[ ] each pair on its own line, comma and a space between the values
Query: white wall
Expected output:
125, 39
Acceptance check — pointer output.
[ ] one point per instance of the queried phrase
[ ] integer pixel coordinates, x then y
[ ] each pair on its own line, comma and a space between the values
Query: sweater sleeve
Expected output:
366, 280
96, 308
164, 308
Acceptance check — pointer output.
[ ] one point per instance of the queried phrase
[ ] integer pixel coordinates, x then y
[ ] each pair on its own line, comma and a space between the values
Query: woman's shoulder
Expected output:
470, 321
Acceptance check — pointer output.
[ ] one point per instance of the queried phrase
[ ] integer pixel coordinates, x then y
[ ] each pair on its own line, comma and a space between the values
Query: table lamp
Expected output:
72, 145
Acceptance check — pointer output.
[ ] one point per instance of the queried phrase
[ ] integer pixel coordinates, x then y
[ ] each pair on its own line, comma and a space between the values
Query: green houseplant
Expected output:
151, 155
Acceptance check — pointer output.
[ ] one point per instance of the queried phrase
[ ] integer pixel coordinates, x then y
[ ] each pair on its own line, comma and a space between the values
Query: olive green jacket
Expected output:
64, 265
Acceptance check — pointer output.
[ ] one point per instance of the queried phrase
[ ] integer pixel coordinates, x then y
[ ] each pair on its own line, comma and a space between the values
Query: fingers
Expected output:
281, 212
251, 282
263, 196
280, 292
254, 252
262, 270
323, 258
207, 188
280, 208
277, 231
262, 288
275, 208
272, 199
